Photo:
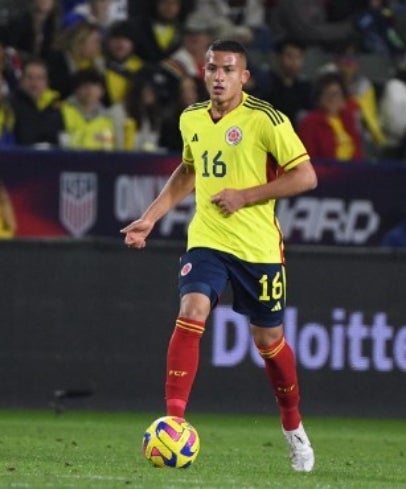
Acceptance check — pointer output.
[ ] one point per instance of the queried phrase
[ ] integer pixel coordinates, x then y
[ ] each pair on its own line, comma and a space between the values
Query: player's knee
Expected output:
264, 337
195, 306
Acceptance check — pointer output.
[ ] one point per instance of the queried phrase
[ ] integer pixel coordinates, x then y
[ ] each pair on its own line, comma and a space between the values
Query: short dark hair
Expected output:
289, 42
87, 76
228, 45
120, 28
34, 61
327, 79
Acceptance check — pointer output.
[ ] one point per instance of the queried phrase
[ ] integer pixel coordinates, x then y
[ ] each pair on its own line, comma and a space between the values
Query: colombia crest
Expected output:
187, 267
233, 135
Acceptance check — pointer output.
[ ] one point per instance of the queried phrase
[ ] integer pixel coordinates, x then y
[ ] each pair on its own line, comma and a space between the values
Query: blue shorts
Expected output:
259, 289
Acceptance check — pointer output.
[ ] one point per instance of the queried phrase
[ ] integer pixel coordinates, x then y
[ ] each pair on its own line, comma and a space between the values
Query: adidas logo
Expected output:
195, 138
277, 307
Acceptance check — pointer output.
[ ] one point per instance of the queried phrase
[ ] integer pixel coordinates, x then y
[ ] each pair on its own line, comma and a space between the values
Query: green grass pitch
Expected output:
81, 450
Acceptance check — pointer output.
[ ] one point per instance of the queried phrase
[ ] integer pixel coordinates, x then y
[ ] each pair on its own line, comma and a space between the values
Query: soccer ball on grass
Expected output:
170, 441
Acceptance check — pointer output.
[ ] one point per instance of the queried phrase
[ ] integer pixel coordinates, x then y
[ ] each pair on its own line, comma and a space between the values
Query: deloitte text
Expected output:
347, 342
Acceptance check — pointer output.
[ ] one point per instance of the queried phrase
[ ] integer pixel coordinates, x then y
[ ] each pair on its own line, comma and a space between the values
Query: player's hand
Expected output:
137, 232
229, 200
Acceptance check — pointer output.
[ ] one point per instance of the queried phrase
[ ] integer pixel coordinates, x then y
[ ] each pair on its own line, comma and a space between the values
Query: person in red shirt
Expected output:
333, 129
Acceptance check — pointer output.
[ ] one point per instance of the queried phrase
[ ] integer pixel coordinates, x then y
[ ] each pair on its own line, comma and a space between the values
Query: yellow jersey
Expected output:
89, 134
247, 147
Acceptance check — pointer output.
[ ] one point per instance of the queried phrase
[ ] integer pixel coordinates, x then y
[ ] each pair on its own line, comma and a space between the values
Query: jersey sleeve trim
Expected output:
296, 161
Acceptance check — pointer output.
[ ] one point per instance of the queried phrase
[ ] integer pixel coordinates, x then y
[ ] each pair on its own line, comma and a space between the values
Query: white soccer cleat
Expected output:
301, 451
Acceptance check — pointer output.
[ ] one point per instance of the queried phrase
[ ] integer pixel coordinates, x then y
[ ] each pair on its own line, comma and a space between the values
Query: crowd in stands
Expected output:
115, 75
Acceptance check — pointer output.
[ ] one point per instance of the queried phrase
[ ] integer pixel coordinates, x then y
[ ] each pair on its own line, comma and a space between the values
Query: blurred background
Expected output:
90, 96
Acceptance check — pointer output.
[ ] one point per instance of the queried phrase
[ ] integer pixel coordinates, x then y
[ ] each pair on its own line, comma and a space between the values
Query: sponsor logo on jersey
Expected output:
233, 135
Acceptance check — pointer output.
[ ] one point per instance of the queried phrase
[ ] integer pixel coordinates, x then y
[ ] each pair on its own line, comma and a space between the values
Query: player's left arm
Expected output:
295, 181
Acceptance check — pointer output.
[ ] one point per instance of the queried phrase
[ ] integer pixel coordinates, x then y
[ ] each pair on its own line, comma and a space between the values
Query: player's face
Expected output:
225, 75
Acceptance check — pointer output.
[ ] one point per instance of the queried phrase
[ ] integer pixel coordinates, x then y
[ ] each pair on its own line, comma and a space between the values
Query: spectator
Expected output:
10, 68
69, 5
34, 31
87, 122
243, 20
190, 58
119, 9
121, 61
363, 92
6, 118
332, 130
307, 22
36, 107
138, 119
79, 48
134, 9
99, 12
190, 91
289, 91
158, 34
8, 224
377, 29
393, 112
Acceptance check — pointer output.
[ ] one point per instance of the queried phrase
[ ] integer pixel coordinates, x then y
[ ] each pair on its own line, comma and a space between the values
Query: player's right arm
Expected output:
178, 186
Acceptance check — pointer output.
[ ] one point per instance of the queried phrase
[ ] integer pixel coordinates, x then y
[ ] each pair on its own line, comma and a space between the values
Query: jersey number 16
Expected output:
215, 167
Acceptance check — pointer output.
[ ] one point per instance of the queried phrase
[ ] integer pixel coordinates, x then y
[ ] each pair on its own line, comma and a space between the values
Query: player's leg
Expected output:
280, 367
183, 351
201, 280
259, 292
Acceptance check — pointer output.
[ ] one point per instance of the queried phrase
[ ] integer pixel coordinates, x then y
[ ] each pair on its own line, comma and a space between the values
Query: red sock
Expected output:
281, 370
182, 364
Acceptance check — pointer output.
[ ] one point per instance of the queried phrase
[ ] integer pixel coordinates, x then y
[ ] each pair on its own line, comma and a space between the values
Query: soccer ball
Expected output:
171, 442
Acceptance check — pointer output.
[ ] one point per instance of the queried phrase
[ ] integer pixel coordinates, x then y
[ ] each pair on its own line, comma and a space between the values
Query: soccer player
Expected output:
240, 154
